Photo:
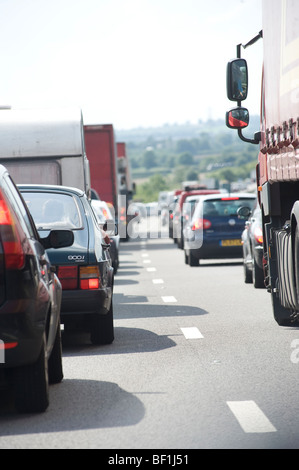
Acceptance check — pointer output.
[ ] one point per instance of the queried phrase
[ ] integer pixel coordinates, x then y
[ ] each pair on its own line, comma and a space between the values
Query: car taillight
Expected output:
258, 235
90, 277
229, 198
68, 276
8, 345
201, 224
11, 234
122, 216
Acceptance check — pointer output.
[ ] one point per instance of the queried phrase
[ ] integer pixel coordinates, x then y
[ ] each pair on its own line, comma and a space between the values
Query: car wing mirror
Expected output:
58, 239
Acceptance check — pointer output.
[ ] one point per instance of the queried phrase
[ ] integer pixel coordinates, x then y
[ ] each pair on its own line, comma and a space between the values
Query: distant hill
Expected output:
181, 131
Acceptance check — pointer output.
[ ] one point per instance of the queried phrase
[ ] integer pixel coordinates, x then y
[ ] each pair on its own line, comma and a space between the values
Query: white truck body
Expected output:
45, 146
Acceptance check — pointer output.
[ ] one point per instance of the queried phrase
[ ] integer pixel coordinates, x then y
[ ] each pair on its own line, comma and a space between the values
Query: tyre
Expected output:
55, 369
281, 314
257, 275
31, 384
186, 257
192, 260
247, 274
103, 329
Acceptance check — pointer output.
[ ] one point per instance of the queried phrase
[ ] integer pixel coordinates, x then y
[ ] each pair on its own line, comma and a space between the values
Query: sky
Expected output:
130, 63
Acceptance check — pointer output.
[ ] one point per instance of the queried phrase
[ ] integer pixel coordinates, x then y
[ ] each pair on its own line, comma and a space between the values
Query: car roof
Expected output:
51, 187
226, 196
193, 198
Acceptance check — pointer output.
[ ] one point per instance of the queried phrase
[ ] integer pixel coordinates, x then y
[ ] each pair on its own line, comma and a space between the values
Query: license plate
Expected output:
231, 243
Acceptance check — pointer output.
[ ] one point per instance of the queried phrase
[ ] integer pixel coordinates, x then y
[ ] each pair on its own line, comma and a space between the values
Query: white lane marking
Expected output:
147, 261
158, 281
250, 417
151, 270
191, 333
169, 298
144, 255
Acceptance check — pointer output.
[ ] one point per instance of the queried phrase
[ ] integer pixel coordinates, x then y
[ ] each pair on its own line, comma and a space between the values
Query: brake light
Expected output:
122, 216
90, 277
201, 224
8, 345
68, 276
229, 199
258, 235
105, 213
11, 232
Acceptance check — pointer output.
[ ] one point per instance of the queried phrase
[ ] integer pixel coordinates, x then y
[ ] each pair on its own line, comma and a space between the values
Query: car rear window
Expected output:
226, 206
53, 210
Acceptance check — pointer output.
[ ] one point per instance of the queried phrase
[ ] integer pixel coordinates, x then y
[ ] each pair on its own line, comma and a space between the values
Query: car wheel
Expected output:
31, 384
192, 260
102, 328
282, 315
247, 272
186, 257
55, 361
257, 275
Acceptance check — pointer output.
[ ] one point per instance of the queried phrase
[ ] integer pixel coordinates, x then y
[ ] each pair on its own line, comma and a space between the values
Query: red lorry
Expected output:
278, 161
101, 152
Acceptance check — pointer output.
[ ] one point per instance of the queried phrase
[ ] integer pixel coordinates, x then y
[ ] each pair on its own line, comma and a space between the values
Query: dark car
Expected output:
30, 299
215, 229
252, 240
84, 269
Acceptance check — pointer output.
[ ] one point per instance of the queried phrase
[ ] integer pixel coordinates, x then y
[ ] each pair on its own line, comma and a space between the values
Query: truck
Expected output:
102, 154
45, 146
277, 169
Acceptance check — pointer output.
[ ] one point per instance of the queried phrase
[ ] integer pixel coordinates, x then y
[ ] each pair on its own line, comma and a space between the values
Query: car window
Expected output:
226, 206
53, 210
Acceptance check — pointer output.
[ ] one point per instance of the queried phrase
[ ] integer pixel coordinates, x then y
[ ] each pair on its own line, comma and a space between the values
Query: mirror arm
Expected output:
256, 139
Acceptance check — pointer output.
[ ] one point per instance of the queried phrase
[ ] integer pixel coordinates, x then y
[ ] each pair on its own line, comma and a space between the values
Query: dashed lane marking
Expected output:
151, 270
250, 417
192, 333
158, 281
169, 298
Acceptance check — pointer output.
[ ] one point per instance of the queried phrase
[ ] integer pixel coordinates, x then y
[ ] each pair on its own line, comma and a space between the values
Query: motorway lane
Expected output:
232, 386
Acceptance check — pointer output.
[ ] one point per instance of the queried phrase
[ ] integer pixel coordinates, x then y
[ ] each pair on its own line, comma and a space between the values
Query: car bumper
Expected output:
84, 302
21, 333
214, 250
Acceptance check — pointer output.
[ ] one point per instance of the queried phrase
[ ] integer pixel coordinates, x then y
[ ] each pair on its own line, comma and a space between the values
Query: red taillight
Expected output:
89, 284
11, 236
8, 345
105, 213
258, 235
201, 224
229, 199
68, 276
89, 277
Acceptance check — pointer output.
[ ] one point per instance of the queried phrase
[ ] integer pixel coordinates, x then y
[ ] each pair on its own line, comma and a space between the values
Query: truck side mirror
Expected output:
237, 80
237, 118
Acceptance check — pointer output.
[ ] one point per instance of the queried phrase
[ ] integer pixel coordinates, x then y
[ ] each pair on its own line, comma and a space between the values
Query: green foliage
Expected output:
149, 191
